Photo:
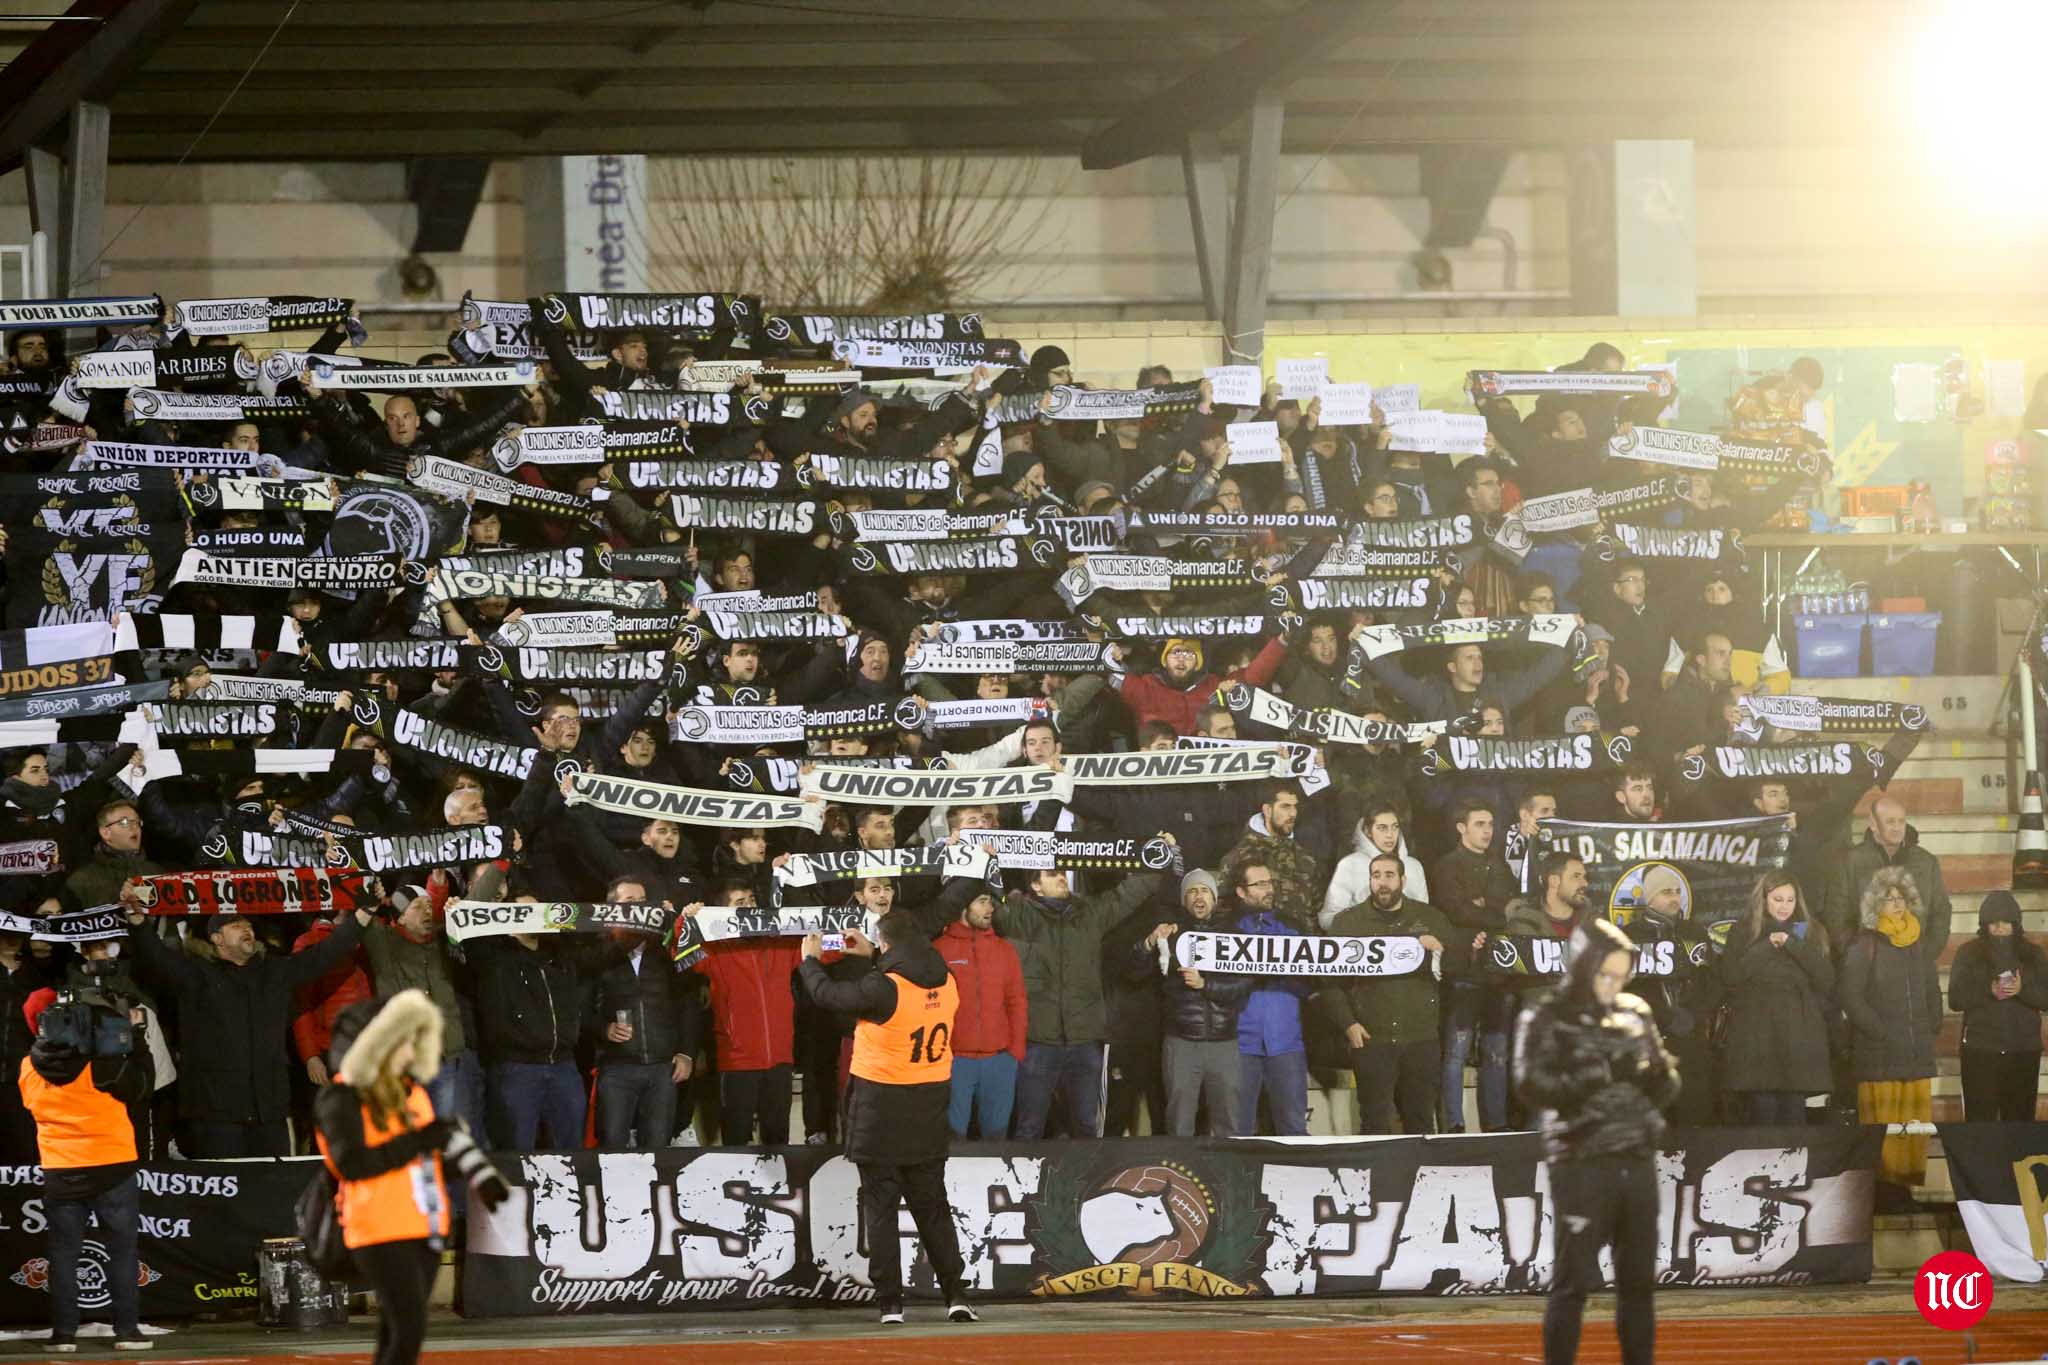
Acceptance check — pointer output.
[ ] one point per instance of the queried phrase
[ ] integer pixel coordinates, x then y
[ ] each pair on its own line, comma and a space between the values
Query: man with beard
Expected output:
848, 428
1559, 903
1272, 1053
1390, 1023
1689, 715
1314, 676
1273, 841
1176, 691
1200, 1048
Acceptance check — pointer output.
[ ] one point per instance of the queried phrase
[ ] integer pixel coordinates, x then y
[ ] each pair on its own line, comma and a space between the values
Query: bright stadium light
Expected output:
1974, 78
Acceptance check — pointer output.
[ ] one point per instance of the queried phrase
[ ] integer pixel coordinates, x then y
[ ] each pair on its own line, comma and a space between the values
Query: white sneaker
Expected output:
892, 1315
961, 1312
687, 1138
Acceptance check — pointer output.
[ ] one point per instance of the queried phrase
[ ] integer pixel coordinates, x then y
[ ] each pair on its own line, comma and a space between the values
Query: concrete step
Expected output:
1964, 772
1953, 701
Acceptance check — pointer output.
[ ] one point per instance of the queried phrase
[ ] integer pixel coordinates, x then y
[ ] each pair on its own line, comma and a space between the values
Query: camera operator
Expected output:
102, 969
81, 1075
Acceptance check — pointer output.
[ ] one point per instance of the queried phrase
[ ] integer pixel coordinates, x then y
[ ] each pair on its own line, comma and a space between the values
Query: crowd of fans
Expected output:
1072, 1018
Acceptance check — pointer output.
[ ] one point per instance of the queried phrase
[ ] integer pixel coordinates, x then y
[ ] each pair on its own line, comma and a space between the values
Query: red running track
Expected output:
1813, 1340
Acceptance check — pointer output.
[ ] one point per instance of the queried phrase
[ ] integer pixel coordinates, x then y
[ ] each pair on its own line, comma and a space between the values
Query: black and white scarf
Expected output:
820, 470
122, 454
926, 357
429, 736
184, 631
387, 379
820, 329
381, 656
1261, 707
1790, 762
994, 786
1150, 573
326, 573
776, 625
1373, 594
163, 405
452, 479
1376, 642
1379, 561
692, 805
1504, 383
582, 444
695, 316
469, 920
996, 554
1833, 715
276, 313
1556, 753
37, 315
936, 860
79, 702
1031, 850
752, 725
657, 475
1668, 542
1072, 403
755, 516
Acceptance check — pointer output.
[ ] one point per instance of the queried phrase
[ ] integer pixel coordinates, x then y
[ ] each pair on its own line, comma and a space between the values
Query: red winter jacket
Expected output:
753, 1013
1152, 697
344, 983
991, 980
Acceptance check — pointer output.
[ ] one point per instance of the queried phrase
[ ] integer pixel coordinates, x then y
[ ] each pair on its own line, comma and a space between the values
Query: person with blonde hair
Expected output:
1891, 994
1781, 981
377, 1130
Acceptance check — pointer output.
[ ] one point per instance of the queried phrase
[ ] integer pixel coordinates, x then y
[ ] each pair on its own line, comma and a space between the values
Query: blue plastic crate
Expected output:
1902, 644
1830, 646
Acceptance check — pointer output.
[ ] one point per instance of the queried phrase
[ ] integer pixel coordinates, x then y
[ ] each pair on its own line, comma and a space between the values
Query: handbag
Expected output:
319, 1224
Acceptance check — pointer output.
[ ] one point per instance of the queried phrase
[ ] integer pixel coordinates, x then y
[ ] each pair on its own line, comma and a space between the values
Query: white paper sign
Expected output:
1915, 393
2006, 382
1237, 385
1345, 405
1253, 442
1394, 398
1302, 378
1440, 433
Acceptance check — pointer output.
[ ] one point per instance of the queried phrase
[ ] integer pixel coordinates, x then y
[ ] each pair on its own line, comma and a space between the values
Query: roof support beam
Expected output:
1251, 244
85, 200
92, 72
1227, 84
1201, 163
444, 191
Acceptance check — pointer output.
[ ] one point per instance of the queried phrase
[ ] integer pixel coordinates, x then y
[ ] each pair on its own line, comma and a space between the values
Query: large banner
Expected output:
202, 1224
2000, 1171
634, 1232
1715, 862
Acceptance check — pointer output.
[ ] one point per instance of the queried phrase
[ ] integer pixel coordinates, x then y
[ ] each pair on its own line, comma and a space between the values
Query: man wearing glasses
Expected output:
1272, 1055
116, 858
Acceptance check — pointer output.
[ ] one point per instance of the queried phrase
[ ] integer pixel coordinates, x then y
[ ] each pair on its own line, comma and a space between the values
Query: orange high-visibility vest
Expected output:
409, 1204
77, 1124
914, 1045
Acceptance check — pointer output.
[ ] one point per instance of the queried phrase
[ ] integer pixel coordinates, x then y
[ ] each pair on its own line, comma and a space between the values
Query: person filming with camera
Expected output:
82, 1072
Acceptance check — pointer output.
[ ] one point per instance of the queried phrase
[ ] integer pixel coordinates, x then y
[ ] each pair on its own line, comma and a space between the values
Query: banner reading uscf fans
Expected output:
202, 1224
635, 1232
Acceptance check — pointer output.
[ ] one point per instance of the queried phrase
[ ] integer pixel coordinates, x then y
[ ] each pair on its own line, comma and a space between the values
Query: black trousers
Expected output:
745, 1097
1604, 1201
402, 1273
1137, 1076
1398, 1078
1999, 1087
883, 1186
1767, 1108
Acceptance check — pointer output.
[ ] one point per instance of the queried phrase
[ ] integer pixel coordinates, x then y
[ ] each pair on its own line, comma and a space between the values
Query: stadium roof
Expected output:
398, 79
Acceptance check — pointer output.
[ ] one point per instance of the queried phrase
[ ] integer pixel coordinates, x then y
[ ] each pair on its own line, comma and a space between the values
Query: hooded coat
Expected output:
1865, 859
1891, 994
1990, 1024
897, 1125
1598, 1077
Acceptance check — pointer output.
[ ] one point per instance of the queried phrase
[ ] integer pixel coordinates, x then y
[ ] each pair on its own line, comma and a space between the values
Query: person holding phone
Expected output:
1999, 982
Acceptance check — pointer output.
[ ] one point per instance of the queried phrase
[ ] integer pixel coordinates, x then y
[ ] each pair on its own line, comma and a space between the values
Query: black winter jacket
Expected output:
1991, 1024
653, 1001
1200, 1014
899, 1125
234, 1022
529, 1002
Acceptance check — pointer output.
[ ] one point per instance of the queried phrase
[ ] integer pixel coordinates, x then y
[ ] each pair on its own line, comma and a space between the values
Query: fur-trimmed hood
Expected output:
1883, 881
409, 1016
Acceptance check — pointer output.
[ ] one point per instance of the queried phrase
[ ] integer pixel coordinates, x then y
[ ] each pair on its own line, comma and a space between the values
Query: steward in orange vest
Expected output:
896, 1129
80, 1105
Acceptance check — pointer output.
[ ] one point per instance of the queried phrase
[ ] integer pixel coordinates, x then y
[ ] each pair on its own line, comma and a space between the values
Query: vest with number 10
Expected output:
914, 1045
